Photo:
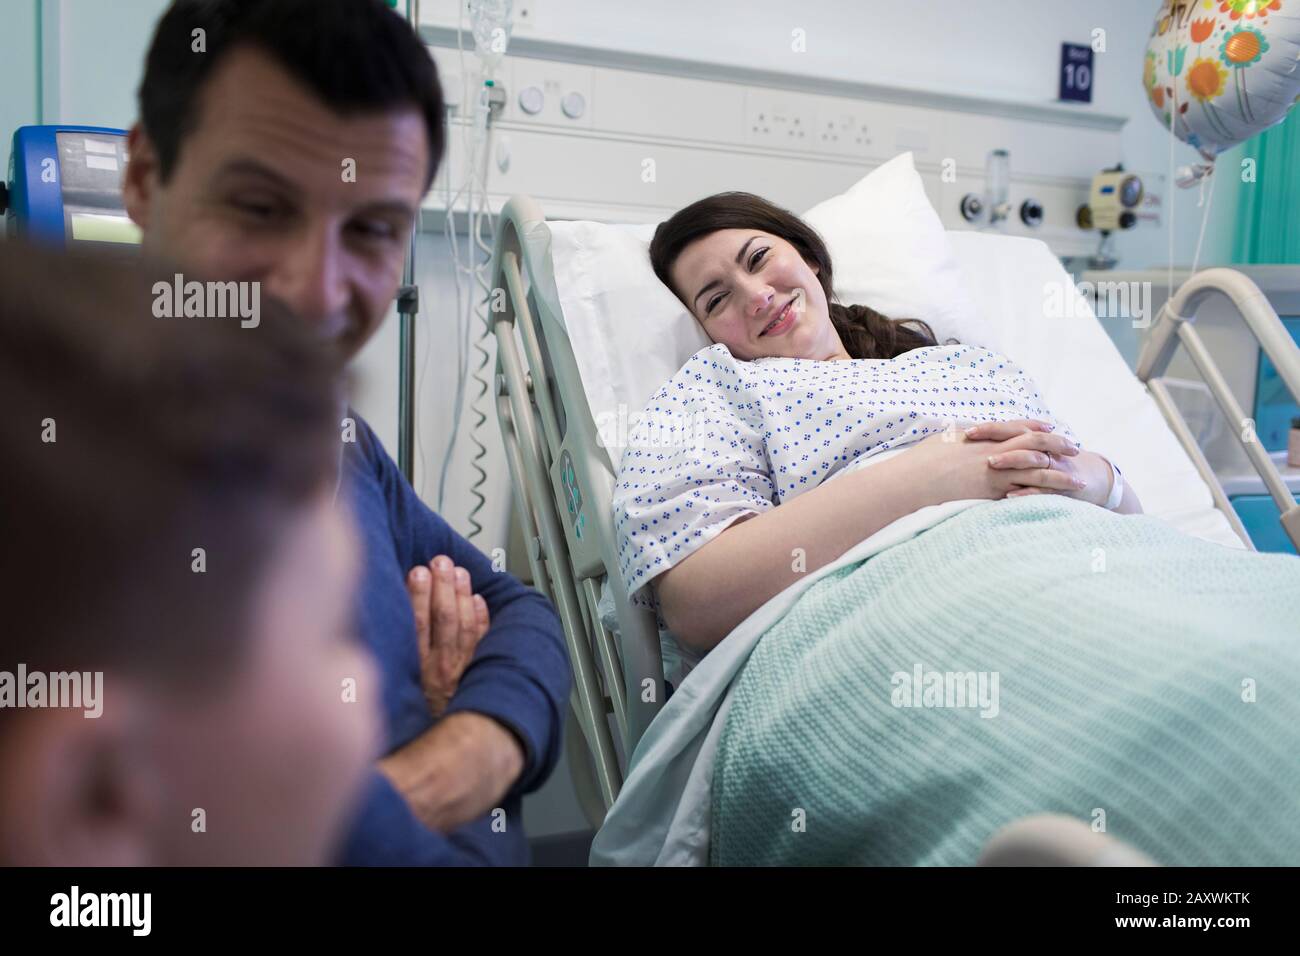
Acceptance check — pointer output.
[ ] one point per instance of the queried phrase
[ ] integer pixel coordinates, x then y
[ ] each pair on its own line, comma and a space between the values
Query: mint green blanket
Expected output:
1025, 656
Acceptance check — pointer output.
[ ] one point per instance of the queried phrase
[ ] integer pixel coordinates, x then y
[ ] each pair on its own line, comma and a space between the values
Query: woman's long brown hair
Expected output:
865, 332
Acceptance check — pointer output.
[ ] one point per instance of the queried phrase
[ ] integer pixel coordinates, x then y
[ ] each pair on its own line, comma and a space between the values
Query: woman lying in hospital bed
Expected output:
1046, 647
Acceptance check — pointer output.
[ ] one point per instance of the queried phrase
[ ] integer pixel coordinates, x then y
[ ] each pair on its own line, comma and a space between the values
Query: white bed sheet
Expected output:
1083, 378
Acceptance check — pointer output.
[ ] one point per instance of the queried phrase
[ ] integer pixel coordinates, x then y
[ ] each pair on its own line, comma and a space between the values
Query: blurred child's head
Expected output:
168, 524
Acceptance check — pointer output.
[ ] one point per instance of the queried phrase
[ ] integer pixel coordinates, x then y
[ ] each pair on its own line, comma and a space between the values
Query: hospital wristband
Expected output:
1116, 487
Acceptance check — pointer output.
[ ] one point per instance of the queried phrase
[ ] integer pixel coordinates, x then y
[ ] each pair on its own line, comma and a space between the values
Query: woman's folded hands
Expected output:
1010, 459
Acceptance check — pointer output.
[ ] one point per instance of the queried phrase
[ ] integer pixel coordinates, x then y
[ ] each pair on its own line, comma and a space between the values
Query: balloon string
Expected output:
1205, 216
1169, 187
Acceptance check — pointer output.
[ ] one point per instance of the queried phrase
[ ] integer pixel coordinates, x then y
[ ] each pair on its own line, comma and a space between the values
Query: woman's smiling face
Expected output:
754, 293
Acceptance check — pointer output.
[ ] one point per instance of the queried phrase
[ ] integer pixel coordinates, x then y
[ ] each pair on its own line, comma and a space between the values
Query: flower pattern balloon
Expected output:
1217, 72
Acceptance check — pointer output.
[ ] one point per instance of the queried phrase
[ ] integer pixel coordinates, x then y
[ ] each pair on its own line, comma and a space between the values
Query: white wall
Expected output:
103, 47
1007, 50
19, 63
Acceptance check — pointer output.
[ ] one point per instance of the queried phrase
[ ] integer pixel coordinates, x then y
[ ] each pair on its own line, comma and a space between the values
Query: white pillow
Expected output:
630, 334
890, 251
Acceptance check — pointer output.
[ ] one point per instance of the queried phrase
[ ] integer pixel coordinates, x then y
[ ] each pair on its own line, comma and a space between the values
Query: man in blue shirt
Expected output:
289, 143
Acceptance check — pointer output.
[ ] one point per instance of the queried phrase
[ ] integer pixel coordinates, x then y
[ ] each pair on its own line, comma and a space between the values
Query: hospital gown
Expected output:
725, 438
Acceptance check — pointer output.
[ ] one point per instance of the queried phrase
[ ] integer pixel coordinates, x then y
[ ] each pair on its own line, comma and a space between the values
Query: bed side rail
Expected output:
563, 483
1174, 326
528, 461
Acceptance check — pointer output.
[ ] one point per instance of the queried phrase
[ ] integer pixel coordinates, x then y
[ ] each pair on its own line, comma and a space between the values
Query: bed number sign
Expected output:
1076, 72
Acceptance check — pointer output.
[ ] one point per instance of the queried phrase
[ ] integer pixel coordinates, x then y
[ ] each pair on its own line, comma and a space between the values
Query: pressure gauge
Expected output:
1130, 192
1031, 212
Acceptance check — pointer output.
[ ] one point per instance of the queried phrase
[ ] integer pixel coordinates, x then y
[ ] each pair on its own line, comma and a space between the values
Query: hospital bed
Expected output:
563, 476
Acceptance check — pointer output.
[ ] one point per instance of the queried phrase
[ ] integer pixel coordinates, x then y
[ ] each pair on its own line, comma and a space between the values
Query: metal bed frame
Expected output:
563, 480
563, 485
1174, 326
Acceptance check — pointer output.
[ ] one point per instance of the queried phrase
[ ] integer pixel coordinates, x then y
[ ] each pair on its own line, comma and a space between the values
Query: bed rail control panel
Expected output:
572, 493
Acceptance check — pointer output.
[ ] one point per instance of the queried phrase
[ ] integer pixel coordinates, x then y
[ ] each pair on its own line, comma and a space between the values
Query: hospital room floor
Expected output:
558, 831
562, 849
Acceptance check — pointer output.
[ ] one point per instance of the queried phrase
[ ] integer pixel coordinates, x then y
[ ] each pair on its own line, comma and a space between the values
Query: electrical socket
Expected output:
841, 129
776, 121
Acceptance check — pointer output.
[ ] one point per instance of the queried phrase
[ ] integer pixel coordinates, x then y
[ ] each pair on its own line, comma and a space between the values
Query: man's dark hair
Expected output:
131, 440
356, 55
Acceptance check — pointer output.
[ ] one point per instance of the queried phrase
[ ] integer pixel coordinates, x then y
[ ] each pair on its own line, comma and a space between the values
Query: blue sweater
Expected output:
519, 675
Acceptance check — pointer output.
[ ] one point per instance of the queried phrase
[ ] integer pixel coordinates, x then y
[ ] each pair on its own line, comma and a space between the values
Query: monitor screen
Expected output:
96, 227
90, 172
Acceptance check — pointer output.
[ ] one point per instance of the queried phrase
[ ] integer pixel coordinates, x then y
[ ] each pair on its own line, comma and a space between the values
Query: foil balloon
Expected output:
1219, 71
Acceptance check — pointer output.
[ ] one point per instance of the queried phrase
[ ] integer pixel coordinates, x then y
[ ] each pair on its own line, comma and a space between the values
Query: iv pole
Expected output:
408, 306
